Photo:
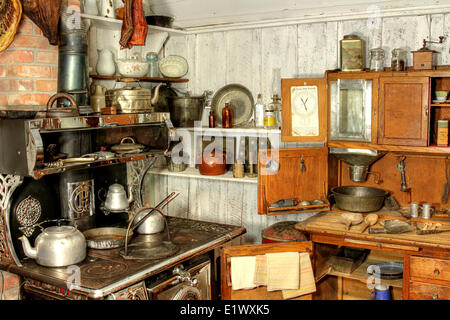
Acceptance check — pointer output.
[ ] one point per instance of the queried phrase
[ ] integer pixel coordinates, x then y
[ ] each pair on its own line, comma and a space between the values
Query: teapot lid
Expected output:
116, 187
54, 230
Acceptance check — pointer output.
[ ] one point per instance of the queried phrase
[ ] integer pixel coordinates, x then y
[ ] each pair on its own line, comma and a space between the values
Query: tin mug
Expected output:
414, 209
426, 211
381, 292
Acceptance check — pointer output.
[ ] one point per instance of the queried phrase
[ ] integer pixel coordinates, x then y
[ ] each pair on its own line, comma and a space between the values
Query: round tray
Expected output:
387, 270
240, 100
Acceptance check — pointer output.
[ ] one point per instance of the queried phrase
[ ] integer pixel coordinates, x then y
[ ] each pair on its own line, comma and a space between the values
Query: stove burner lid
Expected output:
146, 251
103, 269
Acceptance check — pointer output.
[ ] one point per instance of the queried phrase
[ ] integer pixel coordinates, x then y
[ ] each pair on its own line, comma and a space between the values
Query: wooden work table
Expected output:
426, 258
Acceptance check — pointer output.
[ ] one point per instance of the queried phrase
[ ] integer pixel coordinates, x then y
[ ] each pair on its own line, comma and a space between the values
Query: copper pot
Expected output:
212, 164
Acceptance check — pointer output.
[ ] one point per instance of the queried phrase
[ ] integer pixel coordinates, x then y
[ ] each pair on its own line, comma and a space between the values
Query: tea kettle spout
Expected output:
156, 97
29, 251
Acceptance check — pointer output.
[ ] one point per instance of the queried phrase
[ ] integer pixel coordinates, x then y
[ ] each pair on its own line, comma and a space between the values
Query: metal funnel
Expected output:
358, 159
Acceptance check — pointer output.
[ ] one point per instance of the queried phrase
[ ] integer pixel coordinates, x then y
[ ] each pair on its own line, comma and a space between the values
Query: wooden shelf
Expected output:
432, 149
361, 274
116, 25
194, 173
440, 105
143, 79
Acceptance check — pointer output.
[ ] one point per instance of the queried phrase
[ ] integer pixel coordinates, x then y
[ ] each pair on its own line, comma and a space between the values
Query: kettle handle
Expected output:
60, 95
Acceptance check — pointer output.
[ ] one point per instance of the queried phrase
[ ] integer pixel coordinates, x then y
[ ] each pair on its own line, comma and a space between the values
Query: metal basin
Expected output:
359, 199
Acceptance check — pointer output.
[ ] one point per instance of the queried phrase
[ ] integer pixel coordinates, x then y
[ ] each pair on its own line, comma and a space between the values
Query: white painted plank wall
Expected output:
248, 57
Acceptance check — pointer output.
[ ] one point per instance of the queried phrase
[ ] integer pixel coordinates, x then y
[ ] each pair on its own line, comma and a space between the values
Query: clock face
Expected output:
305, 111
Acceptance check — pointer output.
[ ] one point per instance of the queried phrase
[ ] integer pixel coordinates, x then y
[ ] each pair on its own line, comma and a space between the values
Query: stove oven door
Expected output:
190, 284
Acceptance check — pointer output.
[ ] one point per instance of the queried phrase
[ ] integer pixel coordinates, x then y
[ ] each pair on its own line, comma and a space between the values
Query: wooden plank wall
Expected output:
248, 57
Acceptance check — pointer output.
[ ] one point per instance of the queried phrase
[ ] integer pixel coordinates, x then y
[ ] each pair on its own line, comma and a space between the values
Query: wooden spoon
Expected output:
350, 218
370, 220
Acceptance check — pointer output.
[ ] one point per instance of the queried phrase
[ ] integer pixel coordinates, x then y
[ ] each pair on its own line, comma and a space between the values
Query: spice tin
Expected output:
442, 133
352, 53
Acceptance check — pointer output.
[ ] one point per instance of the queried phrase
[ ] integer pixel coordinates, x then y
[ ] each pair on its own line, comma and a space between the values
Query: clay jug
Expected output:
105, 63
98, 98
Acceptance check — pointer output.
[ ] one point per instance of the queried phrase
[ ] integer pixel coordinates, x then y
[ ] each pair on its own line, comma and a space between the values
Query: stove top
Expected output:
105, 271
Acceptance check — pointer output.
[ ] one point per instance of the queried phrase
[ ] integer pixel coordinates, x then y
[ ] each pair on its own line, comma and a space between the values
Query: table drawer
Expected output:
430, 268
426, 291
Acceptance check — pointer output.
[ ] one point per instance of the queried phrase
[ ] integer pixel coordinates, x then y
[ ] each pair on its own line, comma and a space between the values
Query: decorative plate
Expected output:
173, 66
240, 100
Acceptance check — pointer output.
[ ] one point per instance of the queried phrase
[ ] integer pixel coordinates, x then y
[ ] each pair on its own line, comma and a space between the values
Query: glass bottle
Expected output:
227, 116
259, 112
212, 119
269, 117
276, 107
153, 68
398, 62
377, 60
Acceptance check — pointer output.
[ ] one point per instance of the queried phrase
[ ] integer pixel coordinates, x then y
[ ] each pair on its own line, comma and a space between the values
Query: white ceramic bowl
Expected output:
173, 66
132, 68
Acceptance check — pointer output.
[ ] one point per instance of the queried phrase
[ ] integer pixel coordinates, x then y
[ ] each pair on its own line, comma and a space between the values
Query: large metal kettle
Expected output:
116, 198
56, 246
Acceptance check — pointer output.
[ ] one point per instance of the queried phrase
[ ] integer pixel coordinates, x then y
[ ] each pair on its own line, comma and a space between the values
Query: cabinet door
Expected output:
304, 110
302, 174
403, 116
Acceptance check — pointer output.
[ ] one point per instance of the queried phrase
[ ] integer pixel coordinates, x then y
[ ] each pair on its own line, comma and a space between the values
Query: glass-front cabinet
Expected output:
351, 110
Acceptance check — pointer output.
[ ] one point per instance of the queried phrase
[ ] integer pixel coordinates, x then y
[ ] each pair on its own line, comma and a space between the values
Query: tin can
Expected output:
352, 53
442, 133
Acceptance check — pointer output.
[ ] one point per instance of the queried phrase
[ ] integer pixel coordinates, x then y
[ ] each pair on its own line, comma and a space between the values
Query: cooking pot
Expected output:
125, 147
212, 164
359, 199
154, 223
56, 246
184, 110
132, 99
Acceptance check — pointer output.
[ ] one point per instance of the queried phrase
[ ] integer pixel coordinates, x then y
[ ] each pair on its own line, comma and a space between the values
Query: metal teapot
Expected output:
116, 198
56, 246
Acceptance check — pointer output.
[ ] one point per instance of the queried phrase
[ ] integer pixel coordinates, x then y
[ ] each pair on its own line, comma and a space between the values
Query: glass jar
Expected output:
275, 105
398, 61
153, 68
269, 119
377, 60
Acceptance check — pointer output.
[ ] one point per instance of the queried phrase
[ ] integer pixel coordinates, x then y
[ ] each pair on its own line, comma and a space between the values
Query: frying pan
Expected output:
386, 270
106, 238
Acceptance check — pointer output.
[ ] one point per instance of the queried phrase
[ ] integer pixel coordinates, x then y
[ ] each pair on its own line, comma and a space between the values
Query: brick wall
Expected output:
9, 286
28, 68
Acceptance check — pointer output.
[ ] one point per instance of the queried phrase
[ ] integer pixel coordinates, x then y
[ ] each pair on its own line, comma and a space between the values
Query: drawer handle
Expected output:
436, 272
435, 296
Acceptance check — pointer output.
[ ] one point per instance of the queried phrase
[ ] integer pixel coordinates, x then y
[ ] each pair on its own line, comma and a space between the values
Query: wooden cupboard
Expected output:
404, 109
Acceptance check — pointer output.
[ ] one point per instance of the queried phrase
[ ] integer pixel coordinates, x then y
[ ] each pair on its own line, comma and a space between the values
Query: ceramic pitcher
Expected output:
107, 9
105, 63
98, 98
90, 7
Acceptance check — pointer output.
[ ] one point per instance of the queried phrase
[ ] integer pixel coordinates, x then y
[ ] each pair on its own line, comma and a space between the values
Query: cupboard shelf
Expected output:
116, 25
361, 274
447, 105
143, 79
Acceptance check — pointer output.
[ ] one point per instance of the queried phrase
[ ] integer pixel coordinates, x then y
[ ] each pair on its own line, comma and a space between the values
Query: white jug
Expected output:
107, 9
90, 7
105, 63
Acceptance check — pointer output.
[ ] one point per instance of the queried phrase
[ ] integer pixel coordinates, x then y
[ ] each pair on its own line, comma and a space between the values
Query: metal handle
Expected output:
436, 271
435, 296
128, 138
59, 96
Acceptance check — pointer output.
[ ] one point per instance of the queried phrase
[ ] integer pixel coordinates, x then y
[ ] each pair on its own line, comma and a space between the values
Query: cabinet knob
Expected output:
436, 271
435, 296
